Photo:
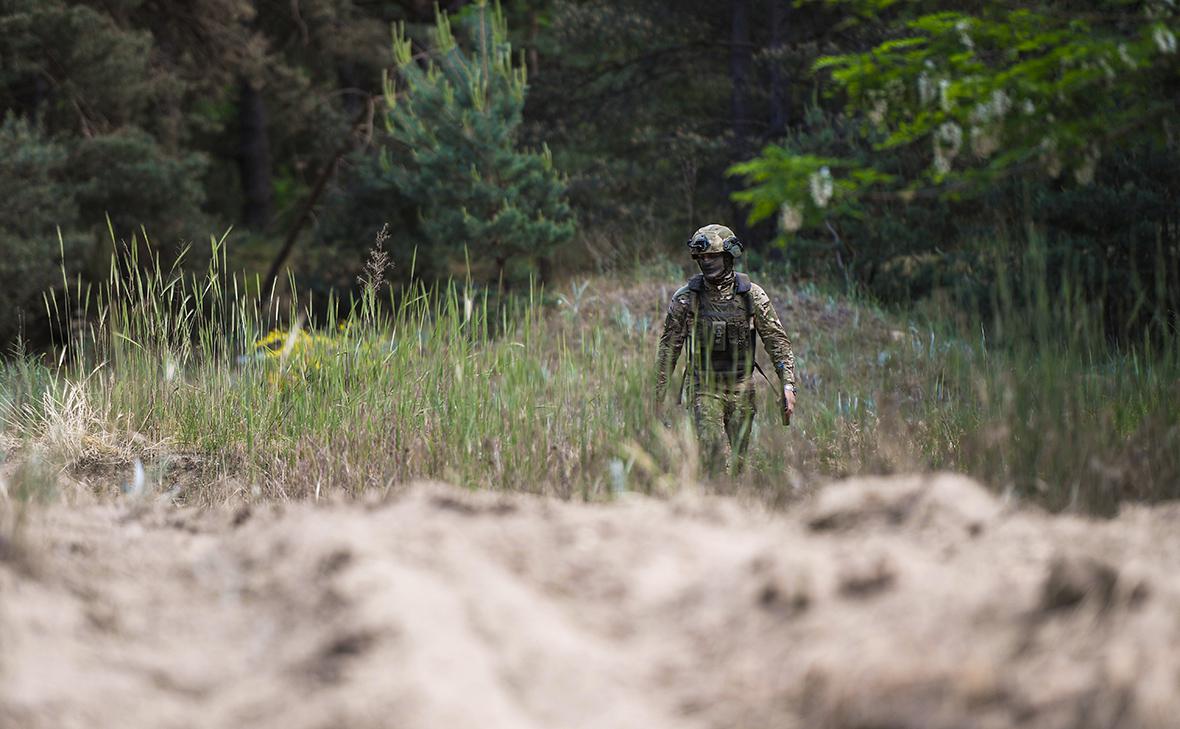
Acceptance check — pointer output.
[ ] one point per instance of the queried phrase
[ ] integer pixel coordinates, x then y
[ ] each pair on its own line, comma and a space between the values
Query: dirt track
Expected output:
907, 603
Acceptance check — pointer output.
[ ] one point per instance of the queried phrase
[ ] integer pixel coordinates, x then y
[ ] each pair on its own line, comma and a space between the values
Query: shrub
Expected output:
34, 198
453, 125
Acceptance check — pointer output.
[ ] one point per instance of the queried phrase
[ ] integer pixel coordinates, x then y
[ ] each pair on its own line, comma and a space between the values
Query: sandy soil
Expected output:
900, 603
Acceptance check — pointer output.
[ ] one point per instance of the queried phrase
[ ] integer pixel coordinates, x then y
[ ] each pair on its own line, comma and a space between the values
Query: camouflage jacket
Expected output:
719, 325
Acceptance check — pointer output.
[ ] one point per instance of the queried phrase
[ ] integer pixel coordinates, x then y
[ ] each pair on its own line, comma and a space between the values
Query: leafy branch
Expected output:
1003, 91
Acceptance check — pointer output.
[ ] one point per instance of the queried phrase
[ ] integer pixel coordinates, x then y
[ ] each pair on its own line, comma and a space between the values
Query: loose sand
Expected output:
908, 602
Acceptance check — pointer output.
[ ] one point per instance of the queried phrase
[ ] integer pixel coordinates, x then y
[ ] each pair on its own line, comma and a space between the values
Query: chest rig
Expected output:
721, 332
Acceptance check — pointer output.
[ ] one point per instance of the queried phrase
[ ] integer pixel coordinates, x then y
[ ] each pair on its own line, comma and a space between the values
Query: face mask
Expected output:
714, 267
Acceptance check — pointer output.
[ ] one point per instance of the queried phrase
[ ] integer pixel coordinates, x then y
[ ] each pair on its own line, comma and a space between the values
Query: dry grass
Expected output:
552, 392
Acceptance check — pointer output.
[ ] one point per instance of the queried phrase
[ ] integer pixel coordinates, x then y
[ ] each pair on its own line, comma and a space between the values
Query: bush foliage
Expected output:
986, 130
34, 200
454, 151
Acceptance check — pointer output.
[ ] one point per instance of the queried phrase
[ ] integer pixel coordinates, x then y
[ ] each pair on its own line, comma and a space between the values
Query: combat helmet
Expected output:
714, 239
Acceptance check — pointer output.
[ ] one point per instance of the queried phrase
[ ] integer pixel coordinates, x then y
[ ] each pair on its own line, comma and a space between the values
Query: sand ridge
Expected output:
907, 602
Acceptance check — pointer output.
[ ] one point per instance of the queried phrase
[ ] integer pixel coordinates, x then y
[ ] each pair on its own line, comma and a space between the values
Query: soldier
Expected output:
717, 312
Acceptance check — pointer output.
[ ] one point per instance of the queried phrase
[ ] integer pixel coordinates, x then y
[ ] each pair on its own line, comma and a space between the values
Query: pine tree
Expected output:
454, 119
34, 199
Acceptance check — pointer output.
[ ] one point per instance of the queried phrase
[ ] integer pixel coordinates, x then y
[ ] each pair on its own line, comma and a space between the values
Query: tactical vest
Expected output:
721, 334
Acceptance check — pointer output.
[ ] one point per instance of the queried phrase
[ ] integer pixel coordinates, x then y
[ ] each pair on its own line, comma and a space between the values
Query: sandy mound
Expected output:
898, 603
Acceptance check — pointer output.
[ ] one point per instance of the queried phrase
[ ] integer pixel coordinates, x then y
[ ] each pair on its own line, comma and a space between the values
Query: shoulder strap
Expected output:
742, 286
695, 286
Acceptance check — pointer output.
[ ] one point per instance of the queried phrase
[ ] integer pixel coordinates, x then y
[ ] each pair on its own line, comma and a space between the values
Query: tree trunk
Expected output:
351, 83
534, 31
253, 157
365, 118
740, 62
780, 85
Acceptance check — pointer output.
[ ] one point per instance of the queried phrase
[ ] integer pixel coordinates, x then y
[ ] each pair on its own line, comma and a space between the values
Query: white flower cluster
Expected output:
984, 141
948, 140
877, 112
1159, 8
1106, 69
1084, 173
790, 218
1050, 158
944, 97
925, 88
995, 108
963, 26
985, 118
1125, 57
1164, 39
822, 187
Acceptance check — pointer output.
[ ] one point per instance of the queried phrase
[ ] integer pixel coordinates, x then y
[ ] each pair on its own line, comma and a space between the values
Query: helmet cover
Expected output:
713, 239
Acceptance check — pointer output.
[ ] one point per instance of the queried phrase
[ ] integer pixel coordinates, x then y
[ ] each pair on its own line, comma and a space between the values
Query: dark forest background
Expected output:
181, 119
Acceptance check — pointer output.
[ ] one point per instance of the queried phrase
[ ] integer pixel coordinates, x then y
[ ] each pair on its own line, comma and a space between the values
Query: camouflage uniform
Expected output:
718, 320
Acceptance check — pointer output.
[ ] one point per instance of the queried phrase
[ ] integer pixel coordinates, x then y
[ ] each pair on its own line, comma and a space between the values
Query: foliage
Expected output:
365, 197
1014, 164
30, 165
128, 177
633, 96
33, 200
453, 123
233, 110
779, 175
966, 121
993, 93
100, 73
56, 192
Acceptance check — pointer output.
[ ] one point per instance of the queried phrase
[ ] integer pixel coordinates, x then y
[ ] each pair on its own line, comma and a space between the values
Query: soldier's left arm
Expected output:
774, 336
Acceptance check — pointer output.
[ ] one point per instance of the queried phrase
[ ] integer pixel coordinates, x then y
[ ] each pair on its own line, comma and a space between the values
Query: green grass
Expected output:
551, 392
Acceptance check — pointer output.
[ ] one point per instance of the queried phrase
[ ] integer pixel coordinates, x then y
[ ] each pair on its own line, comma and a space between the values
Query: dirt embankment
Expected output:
903, 603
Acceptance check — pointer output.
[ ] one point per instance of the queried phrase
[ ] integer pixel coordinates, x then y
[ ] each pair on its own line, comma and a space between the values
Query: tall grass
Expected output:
552, 392
435, 384
1048, 402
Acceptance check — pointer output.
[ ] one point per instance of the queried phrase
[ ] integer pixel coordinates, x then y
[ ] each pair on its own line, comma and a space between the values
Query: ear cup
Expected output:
733, 246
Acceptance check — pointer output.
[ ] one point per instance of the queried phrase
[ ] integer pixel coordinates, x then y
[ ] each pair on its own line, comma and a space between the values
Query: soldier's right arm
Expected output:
672, 339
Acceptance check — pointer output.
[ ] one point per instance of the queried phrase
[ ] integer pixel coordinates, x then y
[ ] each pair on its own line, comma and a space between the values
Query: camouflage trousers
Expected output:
724, 418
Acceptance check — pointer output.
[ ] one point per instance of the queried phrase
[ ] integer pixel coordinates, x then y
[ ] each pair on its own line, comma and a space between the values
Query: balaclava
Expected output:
717, 269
